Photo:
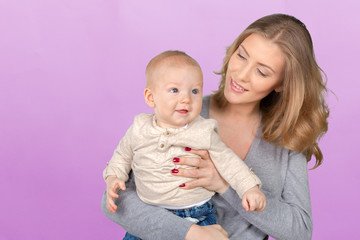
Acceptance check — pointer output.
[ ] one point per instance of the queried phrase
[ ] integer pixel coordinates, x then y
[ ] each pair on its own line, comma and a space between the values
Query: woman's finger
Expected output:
189, 173
188, 161
204, 154
194, 162
193, 184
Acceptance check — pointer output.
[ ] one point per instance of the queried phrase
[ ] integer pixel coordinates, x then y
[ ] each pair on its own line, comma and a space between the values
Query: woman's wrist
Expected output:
223, 189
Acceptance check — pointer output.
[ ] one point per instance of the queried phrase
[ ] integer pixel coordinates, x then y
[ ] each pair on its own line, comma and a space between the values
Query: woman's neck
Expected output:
238, 125
242, 112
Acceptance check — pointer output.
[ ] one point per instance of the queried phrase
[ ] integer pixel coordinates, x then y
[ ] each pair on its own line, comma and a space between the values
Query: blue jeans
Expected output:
201, 215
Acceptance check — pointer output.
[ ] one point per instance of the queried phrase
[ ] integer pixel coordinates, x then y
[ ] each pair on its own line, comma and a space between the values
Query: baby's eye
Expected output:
174, 90
195, 91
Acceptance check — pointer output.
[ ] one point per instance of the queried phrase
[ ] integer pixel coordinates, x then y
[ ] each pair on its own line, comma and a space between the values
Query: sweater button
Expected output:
161, 145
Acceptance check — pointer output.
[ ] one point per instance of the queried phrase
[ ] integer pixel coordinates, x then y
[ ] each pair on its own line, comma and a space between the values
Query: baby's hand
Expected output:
113, 184
254, 200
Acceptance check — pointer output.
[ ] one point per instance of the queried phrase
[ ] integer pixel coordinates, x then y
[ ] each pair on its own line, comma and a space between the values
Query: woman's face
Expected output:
255, 69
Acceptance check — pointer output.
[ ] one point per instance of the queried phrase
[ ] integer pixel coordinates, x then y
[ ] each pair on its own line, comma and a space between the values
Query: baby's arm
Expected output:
113, 185
117, 169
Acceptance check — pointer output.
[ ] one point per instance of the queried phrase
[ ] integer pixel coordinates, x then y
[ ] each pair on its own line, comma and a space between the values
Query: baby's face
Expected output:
177, 93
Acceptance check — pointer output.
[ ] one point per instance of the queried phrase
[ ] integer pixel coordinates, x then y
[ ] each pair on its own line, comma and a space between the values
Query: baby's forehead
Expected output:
175, 61
169, 62
172, 65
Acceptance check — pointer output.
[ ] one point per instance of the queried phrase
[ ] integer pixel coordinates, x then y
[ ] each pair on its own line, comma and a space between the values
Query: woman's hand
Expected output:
205, 172
113, 184
211, 232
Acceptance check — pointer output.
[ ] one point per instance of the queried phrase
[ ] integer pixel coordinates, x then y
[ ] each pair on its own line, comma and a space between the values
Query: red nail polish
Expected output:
187, 149
174, 171
182, 185
176, 159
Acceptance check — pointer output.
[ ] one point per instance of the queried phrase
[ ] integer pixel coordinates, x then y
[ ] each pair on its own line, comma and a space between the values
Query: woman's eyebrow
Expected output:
244, 49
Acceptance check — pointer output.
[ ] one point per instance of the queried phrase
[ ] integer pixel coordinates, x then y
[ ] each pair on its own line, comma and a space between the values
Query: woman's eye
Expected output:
261, 73
195, 91
174, 90
241, 56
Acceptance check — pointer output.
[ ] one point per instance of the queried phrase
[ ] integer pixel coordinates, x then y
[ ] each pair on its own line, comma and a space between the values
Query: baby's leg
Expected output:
128, 236
201, 215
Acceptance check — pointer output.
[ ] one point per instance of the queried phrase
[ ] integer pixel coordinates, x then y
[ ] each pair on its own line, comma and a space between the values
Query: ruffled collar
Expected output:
168, 130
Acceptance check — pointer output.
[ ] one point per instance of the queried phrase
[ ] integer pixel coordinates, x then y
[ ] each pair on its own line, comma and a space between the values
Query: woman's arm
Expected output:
144, 220
151, 222
288, 217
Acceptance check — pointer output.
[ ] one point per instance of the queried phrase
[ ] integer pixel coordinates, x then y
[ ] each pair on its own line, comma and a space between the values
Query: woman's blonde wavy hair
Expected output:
295, 118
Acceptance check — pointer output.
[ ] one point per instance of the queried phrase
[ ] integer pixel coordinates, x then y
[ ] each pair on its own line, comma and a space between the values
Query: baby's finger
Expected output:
262, 206
122, 186
245, 204
112, 194
111, 205
253, 205
110, 209
116, 187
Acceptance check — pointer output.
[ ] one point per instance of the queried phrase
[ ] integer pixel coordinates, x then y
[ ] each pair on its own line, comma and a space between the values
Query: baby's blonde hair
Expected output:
296, 117
171, 57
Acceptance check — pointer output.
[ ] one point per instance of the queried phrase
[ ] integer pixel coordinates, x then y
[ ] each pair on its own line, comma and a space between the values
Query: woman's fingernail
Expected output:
176, 159
182, 185
187, 149
174, 171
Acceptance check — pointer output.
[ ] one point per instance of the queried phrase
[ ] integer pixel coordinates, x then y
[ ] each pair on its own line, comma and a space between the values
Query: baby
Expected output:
174, 85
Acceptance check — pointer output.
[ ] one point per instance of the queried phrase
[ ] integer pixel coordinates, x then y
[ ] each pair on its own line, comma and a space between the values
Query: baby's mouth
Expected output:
182, 111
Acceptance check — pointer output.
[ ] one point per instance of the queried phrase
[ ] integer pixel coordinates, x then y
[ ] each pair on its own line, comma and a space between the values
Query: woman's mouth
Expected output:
237, 87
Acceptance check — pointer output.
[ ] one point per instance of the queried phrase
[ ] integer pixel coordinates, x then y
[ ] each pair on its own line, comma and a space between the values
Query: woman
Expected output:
271, 112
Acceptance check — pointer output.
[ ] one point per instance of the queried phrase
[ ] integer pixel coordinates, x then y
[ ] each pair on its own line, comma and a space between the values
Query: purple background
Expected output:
72, 79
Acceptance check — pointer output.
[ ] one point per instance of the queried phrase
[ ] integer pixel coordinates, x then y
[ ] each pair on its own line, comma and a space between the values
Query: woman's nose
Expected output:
243, 74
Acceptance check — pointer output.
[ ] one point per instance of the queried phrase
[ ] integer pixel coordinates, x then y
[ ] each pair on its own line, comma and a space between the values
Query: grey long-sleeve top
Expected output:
285, 183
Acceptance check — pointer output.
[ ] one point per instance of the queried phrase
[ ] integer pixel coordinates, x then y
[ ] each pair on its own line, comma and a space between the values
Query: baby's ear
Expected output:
149, 99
